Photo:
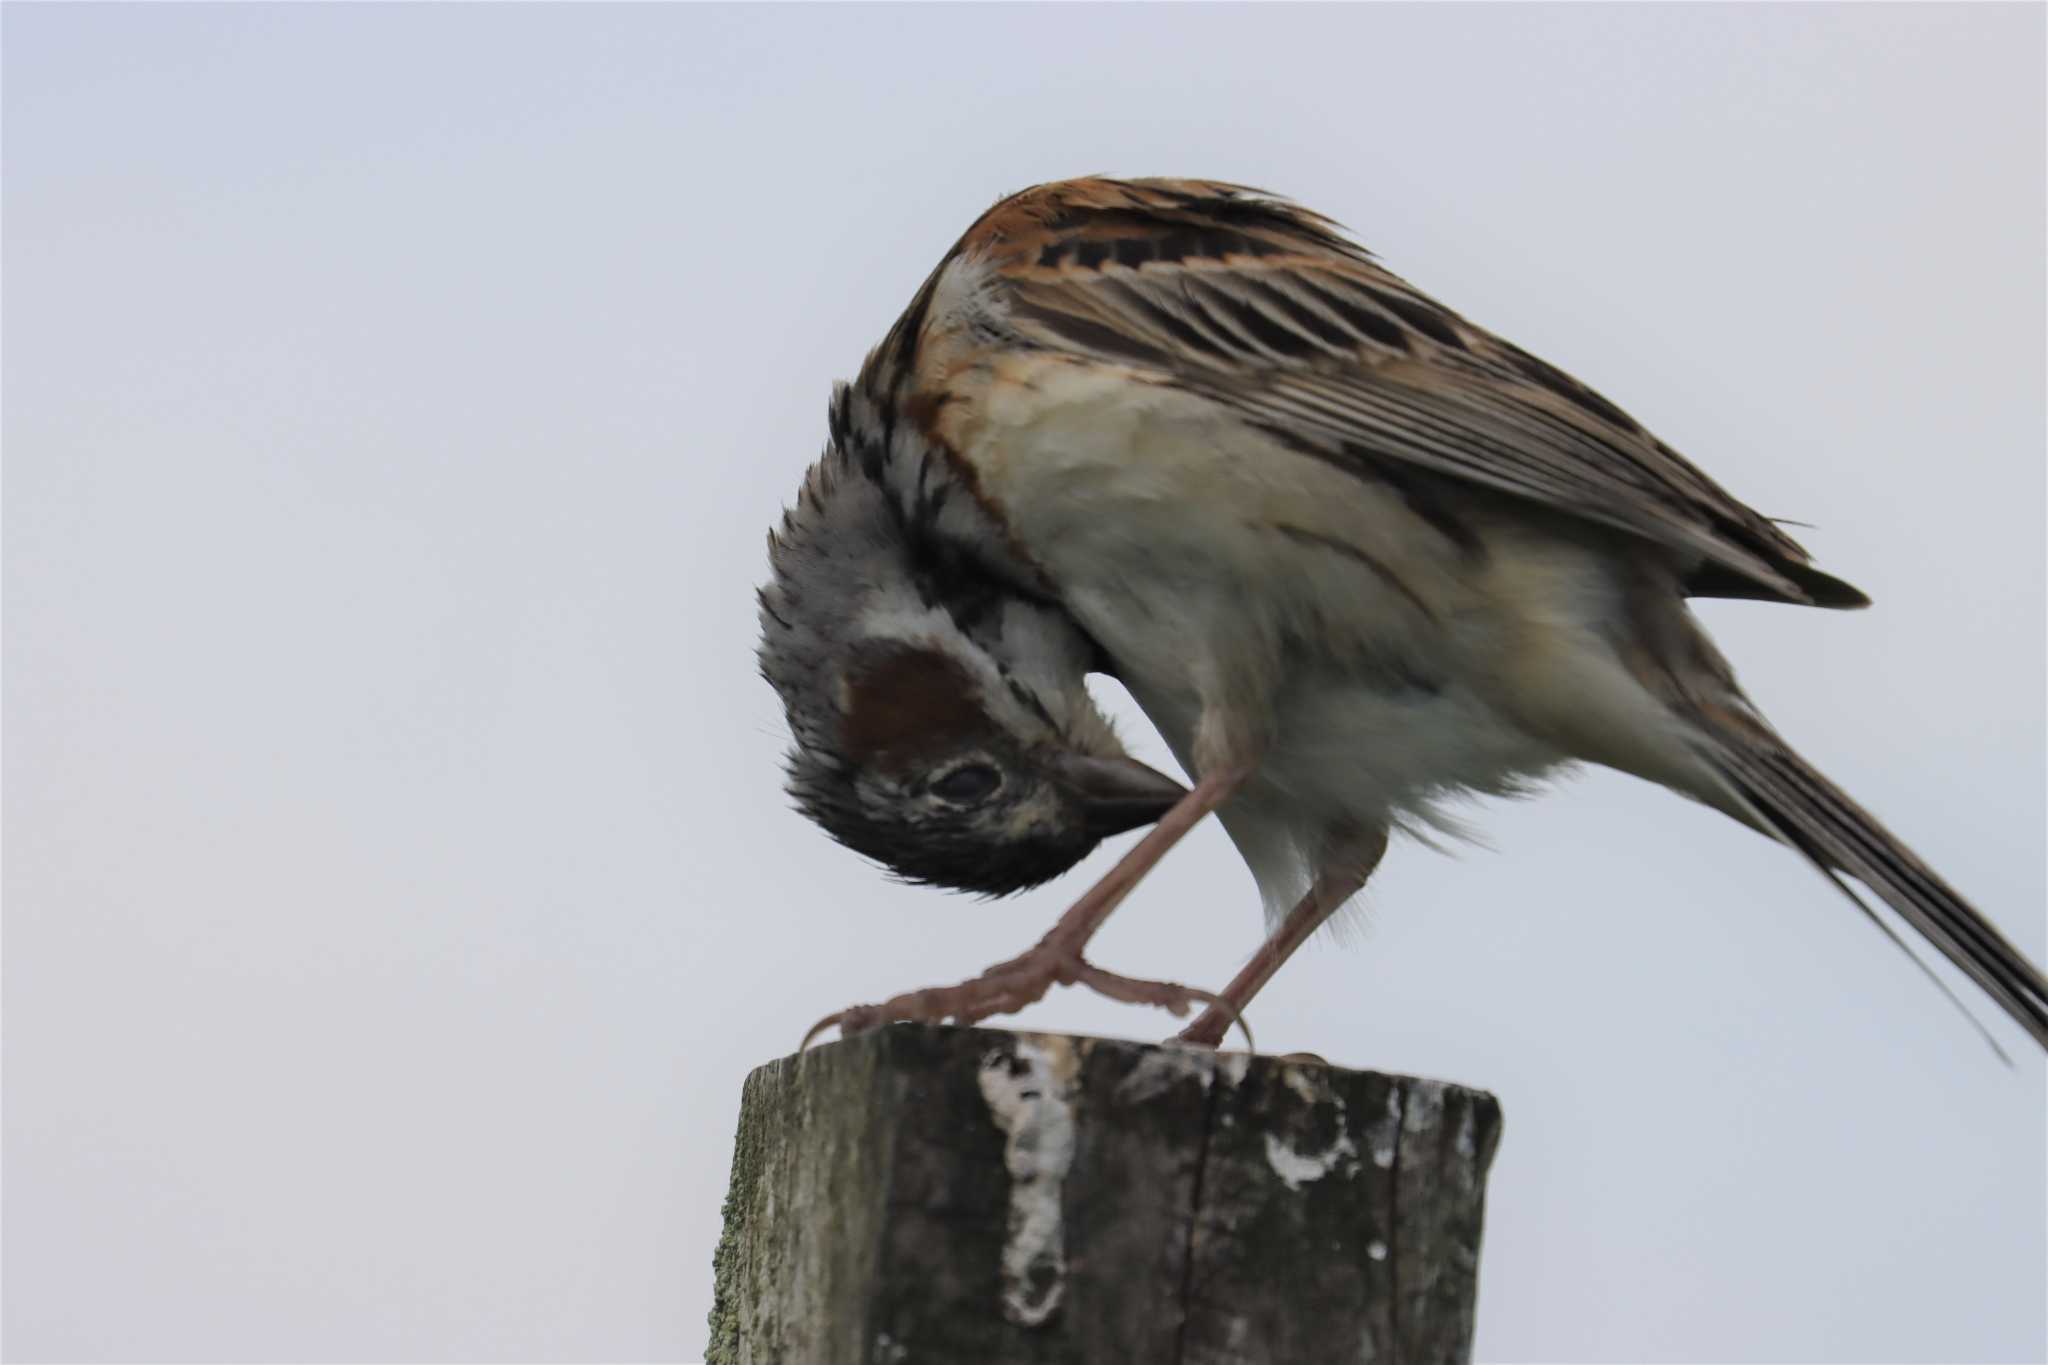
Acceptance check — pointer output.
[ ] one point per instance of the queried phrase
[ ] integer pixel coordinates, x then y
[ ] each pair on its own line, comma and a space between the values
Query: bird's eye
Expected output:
968, 782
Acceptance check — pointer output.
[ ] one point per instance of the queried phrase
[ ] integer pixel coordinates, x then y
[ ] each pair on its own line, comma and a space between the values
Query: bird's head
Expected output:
942, 722
932, 772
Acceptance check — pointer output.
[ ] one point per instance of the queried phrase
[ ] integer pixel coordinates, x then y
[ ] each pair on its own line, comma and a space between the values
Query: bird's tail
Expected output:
1802, 808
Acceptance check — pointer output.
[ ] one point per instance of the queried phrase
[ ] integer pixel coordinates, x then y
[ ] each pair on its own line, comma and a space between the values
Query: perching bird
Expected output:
1349, 552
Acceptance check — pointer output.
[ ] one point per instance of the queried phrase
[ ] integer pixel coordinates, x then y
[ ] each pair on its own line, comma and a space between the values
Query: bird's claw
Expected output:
1009, 986
1215, 1024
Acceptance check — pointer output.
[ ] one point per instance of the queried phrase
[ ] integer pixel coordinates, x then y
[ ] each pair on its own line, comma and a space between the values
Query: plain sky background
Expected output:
398, 885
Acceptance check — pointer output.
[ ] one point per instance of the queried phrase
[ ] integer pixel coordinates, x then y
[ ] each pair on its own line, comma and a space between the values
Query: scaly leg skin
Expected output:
1333, 886
1056, 960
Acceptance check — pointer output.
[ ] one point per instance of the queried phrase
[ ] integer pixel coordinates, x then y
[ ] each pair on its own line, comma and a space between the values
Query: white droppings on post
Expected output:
1425, 1105
1231, 1069
1029, 1092
1296, 1079
1297, 1168
1464, 1139
1160, 1070
1385, 1135
1376, 1249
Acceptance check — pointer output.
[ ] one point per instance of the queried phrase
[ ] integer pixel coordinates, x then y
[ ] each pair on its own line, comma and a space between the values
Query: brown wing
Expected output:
1267, 308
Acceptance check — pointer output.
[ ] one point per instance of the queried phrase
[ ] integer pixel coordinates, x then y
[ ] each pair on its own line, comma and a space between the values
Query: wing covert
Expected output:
1266, 308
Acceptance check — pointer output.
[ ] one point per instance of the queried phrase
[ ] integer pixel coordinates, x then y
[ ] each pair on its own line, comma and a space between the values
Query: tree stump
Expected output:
940, 1196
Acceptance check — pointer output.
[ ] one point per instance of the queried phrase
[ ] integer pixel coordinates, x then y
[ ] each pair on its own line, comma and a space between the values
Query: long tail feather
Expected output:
1816, 817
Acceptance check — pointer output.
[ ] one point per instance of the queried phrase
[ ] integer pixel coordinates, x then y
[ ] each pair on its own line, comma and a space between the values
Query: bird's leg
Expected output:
1056, 959
1338, 882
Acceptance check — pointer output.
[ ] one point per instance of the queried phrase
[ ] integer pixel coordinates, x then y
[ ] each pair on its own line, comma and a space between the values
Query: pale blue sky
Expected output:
398, 888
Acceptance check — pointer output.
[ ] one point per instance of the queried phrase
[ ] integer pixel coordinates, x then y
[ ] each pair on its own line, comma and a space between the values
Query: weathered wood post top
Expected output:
938, 1196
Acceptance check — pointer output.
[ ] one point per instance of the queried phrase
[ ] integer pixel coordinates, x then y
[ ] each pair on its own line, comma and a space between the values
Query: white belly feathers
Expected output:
1339, 629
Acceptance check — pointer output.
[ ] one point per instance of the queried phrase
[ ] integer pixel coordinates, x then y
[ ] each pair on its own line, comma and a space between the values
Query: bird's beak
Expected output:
1117, 794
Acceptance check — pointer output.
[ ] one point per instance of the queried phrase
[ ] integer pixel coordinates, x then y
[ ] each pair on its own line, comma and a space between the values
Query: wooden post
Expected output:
939, 1196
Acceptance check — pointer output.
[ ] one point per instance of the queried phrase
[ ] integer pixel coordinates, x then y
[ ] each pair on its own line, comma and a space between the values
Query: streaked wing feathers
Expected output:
1266, 308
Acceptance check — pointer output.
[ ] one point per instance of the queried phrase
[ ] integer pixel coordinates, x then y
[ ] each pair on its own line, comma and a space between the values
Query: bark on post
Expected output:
938, 1196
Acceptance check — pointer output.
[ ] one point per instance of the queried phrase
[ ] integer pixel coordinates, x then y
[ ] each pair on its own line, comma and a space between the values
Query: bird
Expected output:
1352, 555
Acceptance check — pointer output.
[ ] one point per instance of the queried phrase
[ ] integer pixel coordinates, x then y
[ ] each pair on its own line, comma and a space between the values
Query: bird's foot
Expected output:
1009, 986
1212, 1025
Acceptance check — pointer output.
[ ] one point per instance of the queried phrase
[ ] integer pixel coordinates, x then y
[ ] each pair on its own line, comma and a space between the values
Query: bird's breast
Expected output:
1223, 569
1187, 540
